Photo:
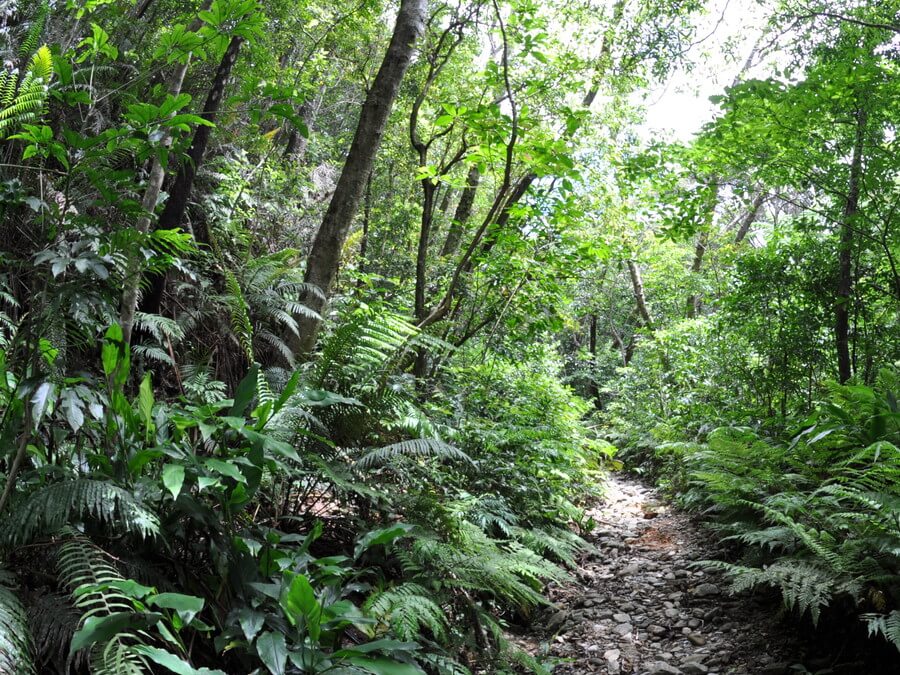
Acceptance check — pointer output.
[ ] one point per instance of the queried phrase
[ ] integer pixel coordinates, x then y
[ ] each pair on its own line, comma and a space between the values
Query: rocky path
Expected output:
643, 605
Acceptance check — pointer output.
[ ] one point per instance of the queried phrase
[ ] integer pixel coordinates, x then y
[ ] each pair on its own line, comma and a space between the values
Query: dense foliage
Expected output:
320, 322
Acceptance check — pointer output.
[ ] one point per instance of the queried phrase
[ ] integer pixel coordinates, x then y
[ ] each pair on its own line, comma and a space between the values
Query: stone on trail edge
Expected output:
643, 606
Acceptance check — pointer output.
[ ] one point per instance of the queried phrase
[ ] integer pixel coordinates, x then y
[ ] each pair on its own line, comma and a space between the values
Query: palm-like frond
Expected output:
15, 637
53, 506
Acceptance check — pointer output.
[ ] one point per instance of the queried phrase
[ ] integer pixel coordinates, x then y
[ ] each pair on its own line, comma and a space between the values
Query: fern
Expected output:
806, 586
35, 30
886, 625
416, 447
409, 610
84, 569
15, 640
53, 506
24, 102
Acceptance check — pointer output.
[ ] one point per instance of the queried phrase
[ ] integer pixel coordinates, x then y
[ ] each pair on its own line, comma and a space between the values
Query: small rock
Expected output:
706, 590
663, 668
696, 639
557, 619
624, 628
621, 618
694, 668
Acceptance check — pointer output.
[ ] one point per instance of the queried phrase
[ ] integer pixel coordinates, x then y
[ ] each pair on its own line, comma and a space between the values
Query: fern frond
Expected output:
886, 625
15, 637
53, 506
409, 610
416, 447
87, 574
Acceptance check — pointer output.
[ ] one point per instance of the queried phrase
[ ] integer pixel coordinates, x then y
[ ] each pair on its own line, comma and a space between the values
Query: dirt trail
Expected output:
643, 606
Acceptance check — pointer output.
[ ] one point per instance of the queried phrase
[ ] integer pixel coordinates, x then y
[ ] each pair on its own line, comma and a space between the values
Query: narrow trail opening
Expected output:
643, 604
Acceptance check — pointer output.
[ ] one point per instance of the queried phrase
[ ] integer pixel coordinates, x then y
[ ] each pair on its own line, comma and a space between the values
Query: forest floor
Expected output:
642, 603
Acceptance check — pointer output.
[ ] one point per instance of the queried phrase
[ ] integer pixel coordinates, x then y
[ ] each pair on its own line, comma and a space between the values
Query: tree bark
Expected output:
180, 193
132, 282
324, 257
637, 286
845, 254
462, 214
750, 218
593, 389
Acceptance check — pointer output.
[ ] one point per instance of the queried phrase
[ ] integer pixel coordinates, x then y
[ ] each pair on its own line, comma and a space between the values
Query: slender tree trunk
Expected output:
845, 254
420, 309
324, 257
297, 143
462, 214
693, 301
132, 282
180, 193
748, 220
637, 287
593, 389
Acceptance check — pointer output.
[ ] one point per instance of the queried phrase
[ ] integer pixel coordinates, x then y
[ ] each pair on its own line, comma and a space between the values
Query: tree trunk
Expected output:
180, 192
637, 286
845, 254
132, 282
693, 301
324, 257
750, 218
593, 389
297, 143
462, 214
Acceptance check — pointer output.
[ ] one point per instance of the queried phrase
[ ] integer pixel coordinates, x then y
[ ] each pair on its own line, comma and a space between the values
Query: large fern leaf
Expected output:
53, 506
15, 641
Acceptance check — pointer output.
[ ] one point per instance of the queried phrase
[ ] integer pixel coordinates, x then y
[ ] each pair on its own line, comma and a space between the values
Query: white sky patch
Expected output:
726, 34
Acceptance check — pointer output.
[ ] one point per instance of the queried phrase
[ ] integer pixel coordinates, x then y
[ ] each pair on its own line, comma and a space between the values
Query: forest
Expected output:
332, 333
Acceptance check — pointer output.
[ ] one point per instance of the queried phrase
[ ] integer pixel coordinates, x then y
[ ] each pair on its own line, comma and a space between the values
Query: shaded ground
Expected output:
643, 605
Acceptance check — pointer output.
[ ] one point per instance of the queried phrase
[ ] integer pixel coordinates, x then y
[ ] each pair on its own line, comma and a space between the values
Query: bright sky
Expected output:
677, 110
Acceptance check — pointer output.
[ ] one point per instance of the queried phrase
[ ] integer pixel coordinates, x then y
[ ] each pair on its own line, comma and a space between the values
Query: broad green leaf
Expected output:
246, 390
172, 662
272, 652
384, 666
103, 628
173, 478
40, 401
299, 601
251, 622
145, 402
384, 535
187, 606
226, 469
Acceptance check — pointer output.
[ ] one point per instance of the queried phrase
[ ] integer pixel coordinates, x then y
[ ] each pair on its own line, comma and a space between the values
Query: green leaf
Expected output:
74, 413
172, 662
103, 628
173, 478
299, 600
384, 535
226, 469
251, 622
246, 390
41, 400
272, 652
384, 645
145, 402
186, 606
